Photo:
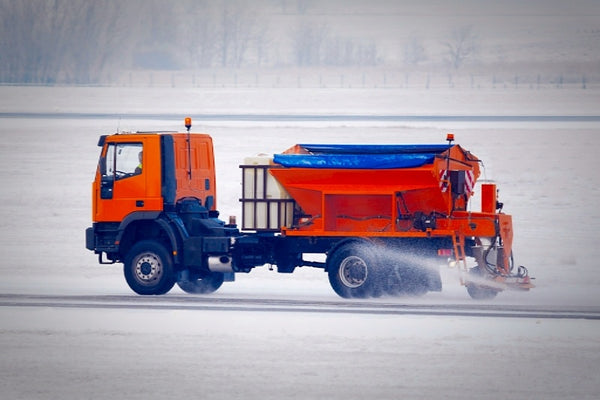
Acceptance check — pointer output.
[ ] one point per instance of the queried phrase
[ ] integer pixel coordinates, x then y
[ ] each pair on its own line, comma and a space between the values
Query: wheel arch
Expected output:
148, 225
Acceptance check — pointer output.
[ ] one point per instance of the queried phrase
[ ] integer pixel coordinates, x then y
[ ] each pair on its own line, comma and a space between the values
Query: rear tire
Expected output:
402, 280
416, 282
148, 268
353, 271
209, 284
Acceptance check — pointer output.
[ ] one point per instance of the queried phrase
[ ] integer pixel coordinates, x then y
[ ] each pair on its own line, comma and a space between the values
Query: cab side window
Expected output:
123, 160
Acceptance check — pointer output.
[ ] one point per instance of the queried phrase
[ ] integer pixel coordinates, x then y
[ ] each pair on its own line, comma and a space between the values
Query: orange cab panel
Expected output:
195, 168
128, 177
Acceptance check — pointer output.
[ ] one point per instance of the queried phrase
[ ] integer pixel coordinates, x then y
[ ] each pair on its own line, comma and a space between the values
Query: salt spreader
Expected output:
381, 216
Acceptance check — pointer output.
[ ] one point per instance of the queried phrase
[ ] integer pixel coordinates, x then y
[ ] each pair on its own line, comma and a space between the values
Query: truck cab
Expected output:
157, 189
150, 172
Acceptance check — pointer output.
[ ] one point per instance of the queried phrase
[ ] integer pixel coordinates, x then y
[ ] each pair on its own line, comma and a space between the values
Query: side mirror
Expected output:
106, 187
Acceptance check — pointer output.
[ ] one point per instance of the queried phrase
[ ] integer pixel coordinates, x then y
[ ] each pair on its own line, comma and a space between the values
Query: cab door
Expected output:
125, 181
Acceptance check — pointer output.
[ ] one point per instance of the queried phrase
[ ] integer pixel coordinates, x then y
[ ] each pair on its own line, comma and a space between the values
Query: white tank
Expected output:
266, 205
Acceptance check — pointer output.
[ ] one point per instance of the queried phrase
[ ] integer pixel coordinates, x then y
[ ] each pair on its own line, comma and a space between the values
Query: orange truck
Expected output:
381, 216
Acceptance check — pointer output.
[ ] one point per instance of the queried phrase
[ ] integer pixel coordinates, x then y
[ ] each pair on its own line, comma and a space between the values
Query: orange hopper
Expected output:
366, 187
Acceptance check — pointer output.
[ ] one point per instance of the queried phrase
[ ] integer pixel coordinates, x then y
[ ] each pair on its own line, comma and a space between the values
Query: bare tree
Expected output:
198, 32
346, 51
368, 54
25, 33
95, 40
414, 51
462, 45
68, 41
308, 40
262, 43
155, 34
238, 26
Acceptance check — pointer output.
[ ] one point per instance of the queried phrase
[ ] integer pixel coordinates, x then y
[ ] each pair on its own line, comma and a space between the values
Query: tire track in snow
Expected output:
199, 303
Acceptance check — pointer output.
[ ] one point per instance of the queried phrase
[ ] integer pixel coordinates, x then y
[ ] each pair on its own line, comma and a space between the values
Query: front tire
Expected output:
148, 268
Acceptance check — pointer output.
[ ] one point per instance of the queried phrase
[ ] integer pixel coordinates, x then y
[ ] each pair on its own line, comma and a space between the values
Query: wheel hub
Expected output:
148, 268
353, 271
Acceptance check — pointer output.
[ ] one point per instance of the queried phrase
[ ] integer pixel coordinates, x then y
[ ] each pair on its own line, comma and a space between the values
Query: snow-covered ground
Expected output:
100, 354
546, 172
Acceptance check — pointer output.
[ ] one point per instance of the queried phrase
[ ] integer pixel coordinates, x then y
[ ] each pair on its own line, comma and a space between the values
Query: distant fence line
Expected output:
346, 79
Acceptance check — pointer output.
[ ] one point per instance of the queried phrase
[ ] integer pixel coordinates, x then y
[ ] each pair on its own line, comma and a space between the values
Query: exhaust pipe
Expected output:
220, 264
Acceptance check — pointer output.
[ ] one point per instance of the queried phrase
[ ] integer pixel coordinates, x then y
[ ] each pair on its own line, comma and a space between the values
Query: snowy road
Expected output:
177, 346
195, 303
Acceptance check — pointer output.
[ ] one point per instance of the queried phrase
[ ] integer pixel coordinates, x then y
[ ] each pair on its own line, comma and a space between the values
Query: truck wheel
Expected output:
403, 280
478, 291
352, 271
415, 283
206, 285
148, 268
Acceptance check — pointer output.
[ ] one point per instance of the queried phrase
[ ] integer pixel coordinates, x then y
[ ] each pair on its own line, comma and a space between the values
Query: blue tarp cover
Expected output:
351, 156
